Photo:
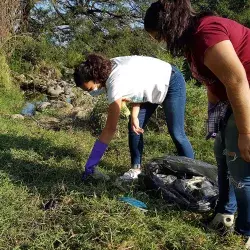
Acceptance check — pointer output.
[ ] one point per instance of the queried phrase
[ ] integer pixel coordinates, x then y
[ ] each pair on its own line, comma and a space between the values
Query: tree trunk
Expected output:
9, 12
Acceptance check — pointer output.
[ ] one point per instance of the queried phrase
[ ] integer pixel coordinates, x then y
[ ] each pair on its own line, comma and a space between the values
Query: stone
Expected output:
55, 91
63, 83
17, 116
69, 105
61, 104
42, 106
50, 123
82, 115
67, 90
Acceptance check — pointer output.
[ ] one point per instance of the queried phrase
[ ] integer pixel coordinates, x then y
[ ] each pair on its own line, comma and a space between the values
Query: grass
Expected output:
11, 98
41, 169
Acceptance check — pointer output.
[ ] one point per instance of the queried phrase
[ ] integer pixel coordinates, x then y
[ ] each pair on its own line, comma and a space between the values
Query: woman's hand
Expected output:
136, 126
244, 146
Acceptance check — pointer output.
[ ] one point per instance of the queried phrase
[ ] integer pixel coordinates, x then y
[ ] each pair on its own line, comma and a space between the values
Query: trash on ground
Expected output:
135, 203
190, 184
29, 109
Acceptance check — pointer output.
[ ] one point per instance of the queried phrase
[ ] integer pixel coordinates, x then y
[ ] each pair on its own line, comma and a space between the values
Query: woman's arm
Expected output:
223, 61
107, 134
134, 118
135, 110
111, 124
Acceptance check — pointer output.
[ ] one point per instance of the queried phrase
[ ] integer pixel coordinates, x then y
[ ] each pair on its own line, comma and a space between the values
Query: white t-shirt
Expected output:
138, 79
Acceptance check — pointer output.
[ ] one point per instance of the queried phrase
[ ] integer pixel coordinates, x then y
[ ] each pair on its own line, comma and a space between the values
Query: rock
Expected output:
50, 123
61, 104
51, 82
17, 116
83, 115
69, 105
55, 91
72, 95
67, 90
42, 106
63, 84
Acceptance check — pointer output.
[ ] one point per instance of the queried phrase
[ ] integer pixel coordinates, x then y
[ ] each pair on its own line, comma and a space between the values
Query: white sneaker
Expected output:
247, 245
130, 175
222, 222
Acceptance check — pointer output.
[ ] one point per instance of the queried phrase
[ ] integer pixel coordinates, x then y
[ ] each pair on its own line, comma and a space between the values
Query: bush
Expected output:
5, 79
26, 52
11, 98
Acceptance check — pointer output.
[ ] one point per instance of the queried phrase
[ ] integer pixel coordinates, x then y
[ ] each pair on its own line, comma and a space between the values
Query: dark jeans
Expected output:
174, 109
233, 177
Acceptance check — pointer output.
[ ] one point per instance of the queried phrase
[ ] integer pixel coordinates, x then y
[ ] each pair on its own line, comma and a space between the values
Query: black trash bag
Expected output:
190, 184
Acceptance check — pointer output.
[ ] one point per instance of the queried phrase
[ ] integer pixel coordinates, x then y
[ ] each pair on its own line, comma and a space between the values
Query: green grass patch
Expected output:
41, 169
11, 98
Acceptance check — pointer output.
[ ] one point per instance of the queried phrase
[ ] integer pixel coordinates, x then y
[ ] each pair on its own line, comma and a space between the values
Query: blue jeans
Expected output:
233, 177
174, 109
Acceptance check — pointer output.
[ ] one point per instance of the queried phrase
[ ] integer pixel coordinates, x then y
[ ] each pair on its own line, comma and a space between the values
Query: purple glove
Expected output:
94, 158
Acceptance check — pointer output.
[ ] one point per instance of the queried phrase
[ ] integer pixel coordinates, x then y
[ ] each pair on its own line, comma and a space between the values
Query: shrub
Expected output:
11, 98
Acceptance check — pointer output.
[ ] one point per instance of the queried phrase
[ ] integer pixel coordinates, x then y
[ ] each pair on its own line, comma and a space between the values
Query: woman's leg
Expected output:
226, 205
239, 177
227, 201
136, 141
174, 108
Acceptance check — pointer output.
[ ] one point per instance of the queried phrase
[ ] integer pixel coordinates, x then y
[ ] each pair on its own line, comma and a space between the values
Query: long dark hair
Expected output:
173, 21
96, 68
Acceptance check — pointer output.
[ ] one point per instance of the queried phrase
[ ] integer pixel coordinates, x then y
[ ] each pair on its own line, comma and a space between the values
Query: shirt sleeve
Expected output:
115, 89
209, 35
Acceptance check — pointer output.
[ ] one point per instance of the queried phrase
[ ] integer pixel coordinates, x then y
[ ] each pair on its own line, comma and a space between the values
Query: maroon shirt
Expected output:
210, 31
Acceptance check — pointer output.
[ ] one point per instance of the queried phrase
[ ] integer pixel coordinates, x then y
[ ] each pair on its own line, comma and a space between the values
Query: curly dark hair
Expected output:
96, 68
173, 21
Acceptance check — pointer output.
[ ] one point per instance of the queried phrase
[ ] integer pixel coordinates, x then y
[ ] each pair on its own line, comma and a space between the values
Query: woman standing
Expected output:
218, 51
145, 82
